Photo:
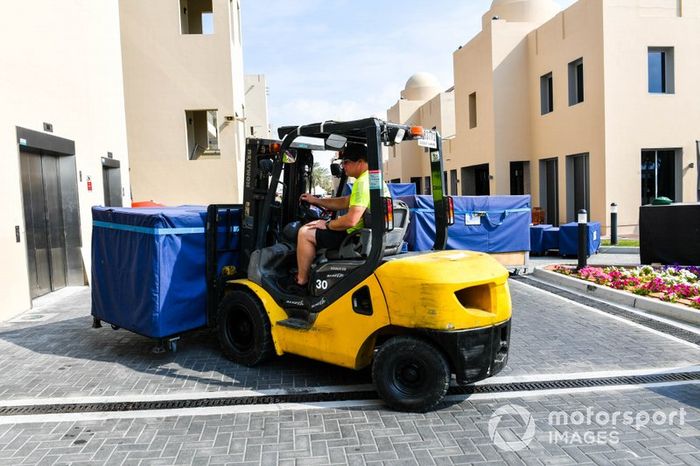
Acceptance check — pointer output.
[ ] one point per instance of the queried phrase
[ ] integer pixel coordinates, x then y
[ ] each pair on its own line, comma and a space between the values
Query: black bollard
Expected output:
613, 224
582, 238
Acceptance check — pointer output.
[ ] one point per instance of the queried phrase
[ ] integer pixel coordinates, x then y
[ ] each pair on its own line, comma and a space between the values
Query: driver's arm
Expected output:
328, 203
350, 219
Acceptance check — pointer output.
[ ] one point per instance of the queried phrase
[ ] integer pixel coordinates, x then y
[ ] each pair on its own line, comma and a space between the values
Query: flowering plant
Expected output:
674, 284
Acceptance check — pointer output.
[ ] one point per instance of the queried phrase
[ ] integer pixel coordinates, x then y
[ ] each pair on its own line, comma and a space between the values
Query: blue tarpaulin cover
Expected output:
148, 268
568, 238
537, 244
396, 189
402, 189
499, 223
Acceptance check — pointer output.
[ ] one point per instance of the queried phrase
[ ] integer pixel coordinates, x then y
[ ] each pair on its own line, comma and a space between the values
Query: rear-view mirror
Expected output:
335, 142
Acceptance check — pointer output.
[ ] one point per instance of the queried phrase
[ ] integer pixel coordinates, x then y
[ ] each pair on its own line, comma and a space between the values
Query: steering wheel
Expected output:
309, 213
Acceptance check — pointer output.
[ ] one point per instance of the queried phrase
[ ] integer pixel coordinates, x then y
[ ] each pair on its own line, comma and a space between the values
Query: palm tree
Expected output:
322, 177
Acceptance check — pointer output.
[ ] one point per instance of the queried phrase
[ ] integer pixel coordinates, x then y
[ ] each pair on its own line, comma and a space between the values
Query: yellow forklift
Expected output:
415, 317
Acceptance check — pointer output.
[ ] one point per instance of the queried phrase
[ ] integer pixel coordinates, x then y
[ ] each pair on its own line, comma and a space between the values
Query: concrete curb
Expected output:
678, 312
618, 250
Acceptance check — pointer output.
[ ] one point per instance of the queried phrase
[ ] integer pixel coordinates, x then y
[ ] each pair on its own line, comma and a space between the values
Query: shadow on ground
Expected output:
69, 357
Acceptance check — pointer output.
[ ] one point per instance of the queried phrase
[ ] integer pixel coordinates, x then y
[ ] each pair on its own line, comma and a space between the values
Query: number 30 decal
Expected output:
321, 284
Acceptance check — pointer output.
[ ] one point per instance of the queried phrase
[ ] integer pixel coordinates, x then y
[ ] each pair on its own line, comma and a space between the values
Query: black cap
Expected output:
354, 152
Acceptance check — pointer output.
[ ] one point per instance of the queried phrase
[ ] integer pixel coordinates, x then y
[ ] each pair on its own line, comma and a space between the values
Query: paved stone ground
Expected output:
456, 434
65, 357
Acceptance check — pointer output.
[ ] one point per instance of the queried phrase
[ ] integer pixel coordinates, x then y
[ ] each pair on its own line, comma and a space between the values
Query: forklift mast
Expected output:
277, 172
265, 175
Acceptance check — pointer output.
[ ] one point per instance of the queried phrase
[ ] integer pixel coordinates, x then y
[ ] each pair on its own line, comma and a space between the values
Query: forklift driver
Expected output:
329, 234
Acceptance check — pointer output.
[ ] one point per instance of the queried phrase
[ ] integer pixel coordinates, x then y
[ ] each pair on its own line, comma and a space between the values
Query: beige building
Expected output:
62, 139
184, 95
422, 103
105, 102
257, 122
581, 108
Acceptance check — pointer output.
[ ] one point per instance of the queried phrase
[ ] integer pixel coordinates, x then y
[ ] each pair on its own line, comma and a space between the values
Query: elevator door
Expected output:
112, 182
51, 222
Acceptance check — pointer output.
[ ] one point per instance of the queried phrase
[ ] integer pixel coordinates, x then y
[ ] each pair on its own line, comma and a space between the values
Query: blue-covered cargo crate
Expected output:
492, 224
148, 268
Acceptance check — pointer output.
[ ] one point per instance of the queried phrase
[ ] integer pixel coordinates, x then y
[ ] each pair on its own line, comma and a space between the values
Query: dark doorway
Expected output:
659, 171
453, 182
112, 182
549, 190
519, 178
577, 185
481, 178
475, 180
417, 181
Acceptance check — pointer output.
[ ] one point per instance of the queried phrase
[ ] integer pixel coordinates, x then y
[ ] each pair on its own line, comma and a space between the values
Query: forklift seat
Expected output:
358, 244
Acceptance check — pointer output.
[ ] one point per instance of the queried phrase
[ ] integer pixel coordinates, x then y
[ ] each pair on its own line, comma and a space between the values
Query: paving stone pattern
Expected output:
65, 357
455, 434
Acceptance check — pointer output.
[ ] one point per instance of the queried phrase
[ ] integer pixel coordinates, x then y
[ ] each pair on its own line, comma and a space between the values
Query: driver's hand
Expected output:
308, 197
317, 225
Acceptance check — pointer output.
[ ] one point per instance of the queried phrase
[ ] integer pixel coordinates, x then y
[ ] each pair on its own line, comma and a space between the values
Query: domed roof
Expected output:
531, 11
421, 86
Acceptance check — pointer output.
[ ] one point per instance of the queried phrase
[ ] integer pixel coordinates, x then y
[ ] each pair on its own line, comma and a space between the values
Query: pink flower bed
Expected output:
672, 284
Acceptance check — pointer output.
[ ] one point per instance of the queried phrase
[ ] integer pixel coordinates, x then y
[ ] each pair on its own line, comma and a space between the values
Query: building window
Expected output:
196, 17
576, 82
427, 187
661, 70
202, 134
546, 94
472, 110
239, 25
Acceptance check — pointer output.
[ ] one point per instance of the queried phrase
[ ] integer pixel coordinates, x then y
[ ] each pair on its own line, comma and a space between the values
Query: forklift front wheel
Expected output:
410, 374
244, 329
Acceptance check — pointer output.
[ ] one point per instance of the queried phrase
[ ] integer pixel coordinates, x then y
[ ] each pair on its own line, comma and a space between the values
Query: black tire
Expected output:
410, 374
244, 329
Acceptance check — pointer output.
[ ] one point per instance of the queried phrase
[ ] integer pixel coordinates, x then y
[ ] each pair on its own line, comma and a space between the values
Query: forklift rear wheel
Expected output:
244, 329
410, 374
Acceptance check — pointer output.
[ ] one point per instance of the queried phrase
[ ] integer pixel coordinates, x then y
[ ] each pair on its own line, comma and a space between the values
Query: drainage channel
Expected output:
305, 398
613, 310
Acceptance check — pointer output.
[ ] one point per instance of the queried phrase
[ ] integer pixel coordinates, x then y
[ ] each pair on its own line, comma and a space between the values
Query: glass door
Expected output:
658, 175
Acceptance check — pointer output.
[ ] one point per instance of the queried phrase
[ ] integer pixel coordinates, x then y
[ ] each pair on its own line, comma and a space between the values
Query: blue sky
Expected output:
345, 59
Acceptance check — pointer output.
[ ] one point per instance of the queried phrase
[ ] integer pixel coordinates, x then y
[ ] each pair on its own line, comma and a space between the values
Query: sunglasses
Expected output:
346, 161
